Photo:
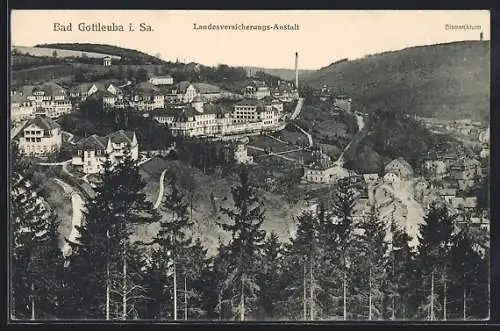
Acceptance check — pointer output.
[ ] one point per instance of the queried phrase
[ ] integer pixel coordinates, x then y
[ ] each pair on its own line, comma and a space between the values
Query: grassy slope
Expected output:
449, 81
106, 49
278, 213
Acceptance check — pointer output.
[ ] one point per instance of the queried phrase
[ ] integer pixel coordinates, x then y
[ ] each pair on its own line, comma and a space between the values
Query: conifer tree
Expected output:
245, 246
36, 262
269, 279
343, 201
435, 236
371, 262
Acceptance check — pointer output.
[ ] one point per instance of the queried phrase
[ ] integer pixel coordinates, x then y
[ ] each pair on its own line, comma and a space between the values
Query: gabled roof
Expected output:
94, 142
102, 94
42, 122
168, 112
51, 89
205, 88
182, 86
399, 161
121, 136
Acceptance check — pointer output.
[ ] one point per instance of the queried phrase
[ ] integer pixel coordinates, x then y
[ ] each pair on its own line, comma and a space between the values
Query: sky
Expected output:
322, 36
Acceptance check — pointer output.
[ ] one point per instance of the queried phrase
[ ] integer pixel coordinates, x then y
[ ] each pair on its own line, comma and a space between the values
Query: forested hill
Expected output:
127, 55
449, 81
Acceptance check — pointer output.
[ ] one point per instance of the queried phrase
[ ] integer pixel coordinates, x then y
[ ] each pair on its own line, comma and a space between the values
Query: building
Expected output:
82, 91
399, 167
49, 99
256, 90
21, 108
285, 92
465, 169
91, 152
39, 136
162, 80
107, 61
186, 91
436, 168
342, 102
320, 170
146, 96
207, 92
241, 156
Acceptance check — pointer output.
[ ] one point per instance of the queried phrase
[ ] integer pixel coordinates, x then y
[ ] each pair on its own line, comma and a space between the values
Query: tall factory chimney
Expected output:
296, 70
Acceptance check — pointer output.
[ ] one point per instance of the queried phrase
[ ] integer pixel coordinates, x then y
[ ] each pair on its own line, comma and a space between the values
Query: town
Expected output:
186, 145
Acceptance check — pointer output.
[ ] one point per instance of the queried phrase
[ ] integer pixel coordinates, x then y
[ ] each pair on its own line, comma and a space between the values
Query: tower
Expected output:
296, 70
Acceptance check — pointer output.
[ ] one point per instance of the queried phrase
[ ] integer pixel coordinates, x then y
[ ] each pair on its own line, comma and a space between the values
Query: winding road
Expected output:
162, 190
78, 206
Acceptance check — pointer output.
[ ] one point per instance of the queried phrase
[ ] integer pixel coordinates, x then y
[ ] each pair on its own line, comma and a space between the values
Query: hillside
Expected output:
285, 74
58, 52
127, 55
449, 81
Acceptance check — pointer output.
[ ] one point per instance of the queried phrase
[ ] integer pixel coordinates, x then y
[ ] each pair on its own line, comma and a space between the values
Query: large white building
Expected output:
49, 99
91, 152
39, 136
162, 80
21, 108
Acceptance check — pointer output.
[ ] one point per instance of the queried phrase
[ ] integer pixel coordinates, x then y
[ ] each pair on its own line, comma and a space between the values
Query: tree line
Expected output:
334, 267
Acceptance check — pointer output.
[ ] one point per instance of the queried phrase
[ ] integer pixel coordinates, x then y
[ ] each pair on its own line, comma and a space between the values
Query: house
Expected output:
370, 179
391, 178
91, 152
285, 92
448, 194
49, 98
21, 108
399, 167
321, 169
186, 91
248, 110
420, 188
465, 169
241, 156
164, 116
437, 168
146, 96
162, 80
207, 92
465, 203
362, 209
342, 102
107, 98
39, 136
484, 136
82, 91
256, 90
107, 61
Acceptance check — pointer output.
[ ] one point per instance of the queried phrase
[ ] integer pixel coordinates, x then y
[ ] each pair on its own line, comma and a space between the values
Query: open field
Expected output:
270, 143
61, 53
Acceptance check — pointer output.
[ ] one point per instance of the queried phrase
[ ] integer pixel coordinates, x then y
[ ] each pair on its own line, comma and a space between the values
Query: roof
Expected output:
102, 94
121, 136
168, 112
49, 88
182, 86
42, 122
447, 191
320, 161
162, 77
217, 108
205, 88
249, 102
94, 142
399, 161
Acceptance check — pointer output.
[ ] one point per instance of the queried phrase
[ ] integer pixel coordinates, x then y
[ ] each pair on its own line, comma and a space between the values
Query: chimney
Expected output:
296, 70
481, 35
